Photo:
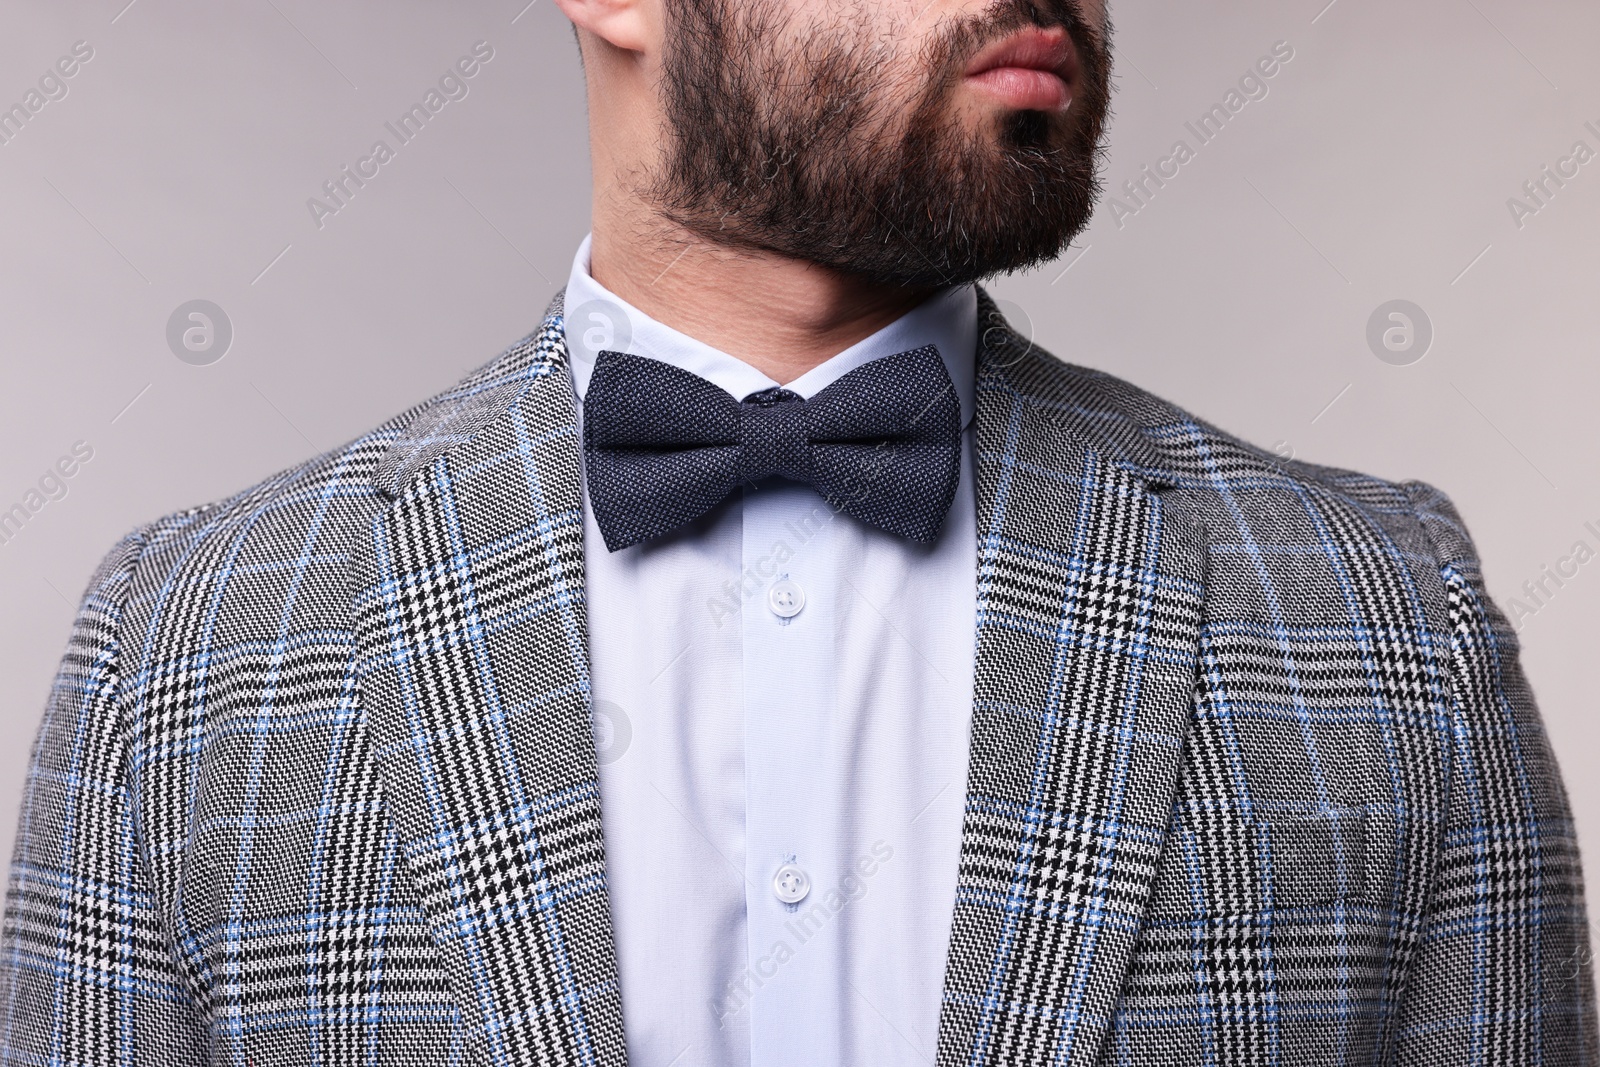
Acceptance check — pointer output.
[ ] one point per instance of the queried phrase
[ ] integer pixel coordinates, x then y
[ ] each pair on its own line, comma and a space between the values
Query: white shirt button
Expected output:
786, 599
791, 884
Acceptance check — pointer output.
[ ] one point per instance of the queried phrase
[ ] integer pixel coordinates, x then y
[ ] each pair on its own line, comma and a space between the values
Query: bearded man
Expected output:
775, 660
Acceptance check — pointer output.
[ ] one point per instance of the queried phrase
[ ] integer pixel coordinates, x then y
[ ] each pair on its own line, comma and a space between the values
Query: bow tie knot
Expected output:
772, 437
663, 446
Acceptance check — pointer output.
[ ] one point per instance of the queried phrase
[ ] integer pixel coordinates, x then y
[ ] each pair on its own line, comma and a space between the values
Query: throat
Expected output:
779, 315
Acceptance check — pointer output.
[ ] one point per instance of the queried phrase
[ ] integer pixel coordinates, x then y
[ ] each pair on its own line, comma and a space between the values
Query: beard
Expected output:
833, 150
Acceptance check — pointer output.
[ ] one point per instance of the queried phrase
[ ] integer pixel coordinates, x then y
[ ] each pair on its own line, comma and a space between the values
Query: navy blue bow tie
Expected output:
663, 446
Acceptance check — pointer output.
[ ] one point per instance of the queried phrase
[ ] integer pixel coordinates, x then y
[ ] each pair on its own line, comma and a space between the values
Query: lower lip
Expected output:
1024, 88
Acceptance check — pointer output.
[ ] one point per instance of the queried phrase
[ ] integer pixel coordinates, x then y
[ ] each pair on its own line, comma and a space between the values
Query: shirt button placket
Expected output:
789, 711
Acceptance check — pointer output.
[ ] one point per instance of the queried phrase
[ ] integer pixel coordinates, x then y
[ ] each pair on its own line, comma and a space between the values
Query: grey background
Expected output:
1378, 167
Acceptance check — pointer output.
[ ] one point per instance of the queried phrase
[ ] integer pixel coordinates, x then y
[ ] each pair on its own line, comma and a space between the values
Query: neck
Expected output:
781, 316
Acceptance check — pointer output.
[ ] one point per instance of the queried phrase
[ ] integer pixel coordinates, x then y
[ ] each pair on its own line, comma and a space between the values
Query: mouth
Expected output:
1032, 70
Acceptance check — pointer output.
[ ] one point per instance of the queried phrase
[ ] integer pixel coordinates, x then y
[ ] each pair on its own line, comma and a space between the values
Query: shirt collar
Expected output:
596, 320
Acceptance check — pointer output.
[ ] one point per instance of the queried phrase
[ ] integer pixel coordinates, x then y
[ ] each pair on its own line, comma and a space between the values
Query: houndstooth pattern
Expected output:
1255, 777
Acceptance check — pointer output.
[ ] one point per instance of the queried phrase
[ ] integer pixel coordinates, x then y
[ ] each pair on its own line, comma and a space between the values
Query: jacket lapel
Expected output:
1090, 586
475, 679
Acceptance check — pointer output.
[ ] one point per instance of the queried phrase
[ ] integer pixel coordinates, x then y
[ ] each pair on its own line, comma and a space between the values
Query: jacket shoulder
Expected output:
283, 509
1235, 484
315, 507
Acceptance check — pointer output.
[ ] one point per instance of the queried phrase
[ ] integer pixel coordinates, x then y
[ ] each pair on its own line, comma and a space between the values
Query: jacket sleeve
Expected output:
88, 975
1503, 973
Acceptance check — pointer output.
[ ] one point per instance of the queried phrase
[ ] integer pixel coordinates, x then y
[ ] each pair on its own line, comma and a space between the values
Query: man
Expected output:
774, 660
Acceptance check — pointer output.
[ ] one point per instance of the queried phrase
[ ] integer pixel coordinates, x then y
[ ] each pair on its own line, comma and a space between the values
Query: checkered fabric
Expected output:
1255, 777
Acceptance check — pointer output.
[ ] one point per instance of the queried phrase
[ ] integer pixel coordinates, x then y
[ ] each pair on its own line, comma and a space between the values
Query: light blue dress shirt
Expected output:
783, 698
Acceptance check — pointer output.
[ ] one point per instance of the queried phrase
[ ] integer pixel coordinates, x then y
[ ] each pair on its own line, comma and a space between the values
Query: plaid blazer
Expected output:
1255, 777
